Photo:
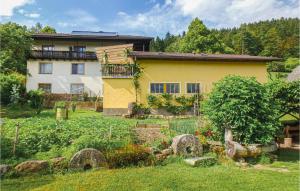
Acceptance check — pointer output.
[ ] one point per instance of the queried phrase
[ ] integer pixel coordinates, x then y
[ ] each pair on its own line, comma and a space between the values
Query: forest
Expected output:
276, 37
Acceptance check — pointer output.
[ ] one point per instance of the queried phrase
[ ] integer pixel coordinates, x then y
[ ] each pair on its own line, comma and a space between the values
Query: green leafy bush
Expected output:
172, 104
140, 109
7, 82
36, 99
60, 104
242, 103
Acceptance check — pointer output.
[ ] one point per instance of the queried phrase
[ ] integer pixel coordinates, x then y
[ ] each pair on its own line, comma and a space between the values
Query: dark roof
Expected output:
64, 36
202, 56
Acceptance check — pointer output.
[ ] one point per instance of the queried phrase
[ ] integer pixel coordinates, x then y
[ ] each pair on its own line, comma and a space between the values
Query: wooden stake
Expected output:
16, 139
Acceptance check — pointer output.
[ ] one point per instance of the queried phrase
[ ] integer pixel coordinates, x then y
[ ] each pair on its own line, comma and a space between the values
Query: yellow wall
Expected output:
119, 92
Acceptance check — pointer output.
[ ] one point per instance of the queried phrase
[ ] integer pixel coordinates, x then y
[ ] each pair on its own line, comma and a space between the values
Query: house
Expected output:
67, 63
172, 73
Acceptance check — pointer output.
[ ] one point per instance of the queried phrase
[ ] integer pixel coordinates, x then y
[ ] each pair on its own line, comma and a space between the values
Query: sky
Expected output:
142, 17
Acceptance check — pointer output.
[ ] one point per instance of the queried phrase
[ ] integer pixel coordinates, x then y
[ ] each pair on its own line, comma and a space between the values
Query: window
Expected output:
45, 68
45, 87
157, 88
170, 88
77, 68
48, 47
193, 88
79, 48
77, 88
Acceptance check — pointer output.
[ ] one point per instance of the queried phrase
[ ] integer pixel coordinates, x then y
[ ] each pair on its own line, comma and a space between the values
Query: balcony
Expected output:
117, 70
65, 55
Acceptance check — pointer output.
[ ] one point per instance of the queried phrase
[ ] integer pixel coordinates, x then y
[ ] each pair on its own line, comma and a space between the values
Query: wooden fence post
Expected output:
16, 139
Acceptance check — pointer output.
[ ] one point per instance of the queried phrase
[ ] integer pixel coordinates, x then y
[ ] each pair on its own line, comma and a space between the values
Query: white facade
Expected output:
62, 77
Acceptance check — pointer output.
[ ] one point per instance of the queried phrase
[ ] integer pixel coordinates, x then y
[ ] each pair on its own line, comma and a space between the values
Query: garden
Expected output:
250, 110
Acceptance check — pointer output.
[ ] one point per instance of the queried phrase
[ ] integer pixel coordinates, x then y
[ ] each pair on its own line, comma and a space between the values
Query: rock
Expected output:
160, 157
32, 166
58, 162
167, 151
87, 159
4, 169
200, 161
187, 145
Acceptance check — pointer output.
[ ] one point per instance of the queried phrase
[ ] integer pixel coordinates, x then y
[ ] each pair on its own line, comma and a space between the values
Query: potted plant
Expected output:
61, 109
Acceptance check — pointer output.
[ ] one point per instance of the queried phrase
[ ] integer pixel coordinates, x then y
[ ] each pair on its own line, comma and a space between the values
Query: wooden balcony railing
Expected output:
117, 70
66, 55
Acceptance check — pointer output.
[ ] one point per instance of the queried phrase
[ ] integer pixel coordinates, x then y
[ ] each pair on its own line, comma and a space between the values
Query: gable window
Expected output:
45, 68
170, 88
77, 88
45, 87
193, 87
48, 47
77, 68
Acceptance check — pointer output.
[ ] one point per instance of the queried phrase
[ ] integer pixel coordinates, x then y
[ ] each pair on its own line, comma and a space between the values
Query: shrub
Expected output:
7, 82
15, 94
241, 103
36, 99
129, 156
60, 104
140, 109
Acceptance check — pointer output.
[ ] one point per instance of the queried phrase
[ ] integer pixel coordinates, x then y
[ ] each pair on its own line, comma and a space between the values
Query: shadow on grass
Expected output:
26, 183
288, 155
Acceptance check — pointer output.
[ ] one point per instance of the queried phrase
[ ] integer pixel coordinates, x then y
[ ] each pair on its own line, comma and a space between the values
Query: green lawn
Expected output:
175, 176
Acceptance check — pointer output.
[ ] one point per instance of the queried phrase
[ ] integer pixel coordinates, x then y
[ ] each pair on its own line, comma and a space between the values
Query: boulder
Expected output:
58, 162
167, 151
4, 169
88, 158
187, 145
200, 161
32, 166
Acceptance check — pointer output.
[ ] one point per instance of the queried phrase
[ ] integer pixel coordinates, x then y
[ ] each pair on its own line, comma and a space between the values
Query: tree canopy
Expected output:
276, 37
243, 104
16, 44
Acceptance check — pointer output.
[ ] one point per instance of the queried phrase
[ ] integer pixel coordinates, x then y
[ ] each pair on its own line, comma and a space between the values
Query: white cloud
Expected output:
175, 15
32, 15
7, 6
81, 19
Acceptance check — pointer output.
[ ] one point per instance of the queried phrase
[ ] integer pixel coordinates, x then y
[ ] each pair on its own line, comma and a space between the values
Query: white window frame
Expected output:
77, 69
45, 84
78, 88
149, 89
186, 87
40, 67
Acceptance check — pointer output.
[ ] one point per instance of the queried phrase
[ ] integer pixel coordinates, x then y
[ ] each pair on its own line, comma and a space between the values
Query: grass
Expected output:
175, 176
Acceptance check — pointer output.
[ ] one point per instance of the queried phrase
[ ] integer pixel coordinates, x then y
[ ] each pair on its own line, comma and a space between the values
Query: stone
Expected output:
187, 145
160, 157
88, 158
167, 151
200, 161
32, 166
58, 162
4, 169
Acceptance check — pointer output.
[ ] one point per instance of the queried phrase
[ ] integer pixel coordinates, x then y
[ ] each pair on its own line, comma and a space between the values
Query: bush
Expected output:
36, 99
129, 156
61, 104
7, 82
242, 103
